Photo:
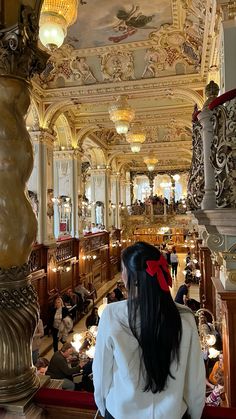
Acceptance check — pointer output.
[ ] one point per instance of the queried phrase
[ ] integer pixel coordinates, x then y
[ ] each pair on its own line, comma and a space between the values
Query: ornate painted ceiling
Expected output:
161, 54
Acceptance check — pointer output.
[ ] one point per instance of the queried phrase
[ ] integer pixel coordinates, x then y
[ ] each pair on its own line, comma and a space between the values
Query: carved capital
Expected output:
215, 242
19, 54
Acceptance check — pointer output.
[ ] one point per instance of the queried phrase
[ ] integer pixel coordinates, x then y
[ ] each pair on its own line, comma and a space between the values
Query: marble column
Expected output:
123, 191
19, 311
66, 183
118, 200
227, 36
43, 142
101, 191
209, 198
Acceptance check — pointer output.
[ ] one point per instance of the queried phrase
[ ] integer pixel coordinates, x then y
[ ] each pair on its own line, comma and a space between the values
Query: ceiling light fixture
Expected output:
56, 16
121, 114
150, 162
136, 137
176, 177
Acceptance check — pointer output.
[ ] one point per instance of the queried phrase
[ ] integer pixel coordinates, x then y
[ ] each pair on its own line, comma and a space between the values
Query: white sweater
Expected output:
116, 371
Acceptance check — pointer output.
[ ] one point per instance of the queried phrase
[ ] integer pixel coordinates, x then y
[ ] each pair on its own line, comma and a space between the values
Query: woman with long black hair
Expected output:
148, 362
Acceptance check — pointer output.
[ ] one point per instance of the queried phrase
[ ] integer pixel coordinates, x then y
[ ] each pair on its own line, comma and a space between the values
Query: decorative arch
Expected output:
189, 95
53, 112
63, 130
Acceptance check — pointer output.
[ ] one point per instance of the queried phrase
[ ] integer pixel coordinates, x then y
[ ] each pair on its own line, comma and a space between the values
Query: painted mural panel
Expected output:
103, 22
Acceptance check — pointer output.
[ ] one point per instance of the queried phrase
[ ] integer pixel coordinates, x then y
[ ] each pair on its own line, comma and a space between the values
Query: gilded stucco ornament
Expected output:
118, 66
215, 242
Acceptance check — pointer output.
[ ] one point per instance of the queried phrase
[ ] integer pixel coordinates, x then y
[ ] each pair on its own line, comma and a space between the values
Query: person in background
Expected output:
111, 297
93, 318
59, 369
219, 365
148, 361
182, 293
83, 294
36, 342
174, 260
58, 313
118, 291
70, 301
41, 366
95, 228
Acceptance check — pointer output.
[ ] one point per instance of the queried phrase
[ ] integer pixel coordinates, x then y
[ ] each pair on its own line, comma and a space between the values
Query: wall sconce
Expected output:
207, 332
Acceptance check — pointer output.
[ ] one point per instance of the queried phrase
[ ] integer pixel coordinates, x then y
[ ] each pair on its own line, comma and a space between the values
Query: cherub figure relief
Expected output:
154, 61
82, 69
129, 22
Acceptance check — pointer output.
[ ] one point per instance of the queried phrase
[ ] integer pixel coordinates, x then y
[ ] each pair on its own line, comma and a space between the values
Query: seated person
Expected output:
93, 318
95, 228
119, 291
219, 365
216, 395
86, 383
41, 366
182, 296
111, 297
84, 297
182, 293
70, 300
59, 369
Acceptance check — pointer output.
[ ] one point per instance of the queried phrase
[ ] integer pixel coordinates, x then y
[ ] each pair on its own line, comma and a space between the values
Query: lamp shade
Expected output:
150, 162
52, 35
121, 114
56, 16
136, 137
135, 147
176, 177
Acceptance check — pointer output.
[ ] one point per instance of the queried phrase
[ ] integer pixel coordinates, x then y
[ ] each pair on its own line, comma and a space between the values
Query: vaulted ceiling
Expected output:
160, 53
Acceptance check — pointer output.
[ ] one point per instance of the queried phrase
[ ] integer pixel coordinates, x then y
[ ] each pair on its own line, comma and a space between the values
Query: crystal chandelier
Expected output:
56, 16
150, 162
121, 114
136, 137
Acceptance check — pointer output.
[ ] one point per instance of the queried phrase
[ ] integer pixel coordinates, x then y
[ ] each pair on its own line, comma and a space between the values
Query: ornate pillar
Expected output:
151, 182
228, 34
204, 117
132, 176
123, 191
127, 189
66, 168
100, 191
118, 200
43, 141
20, 58
172, 195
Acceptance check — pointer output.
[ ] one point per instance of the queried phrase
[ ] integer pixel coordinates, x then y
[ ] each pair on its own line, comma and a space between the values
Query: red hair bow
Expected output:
157, 267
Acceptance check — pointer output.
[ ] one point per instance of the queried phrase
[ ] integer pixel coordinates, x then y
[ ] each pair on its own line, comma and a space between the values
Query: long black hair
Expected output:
153, 316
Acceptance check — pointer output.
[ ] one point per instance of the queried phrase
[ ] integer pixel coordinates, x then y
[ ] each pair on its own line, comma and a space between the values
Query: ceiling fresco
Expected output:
103, 22
157, 52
